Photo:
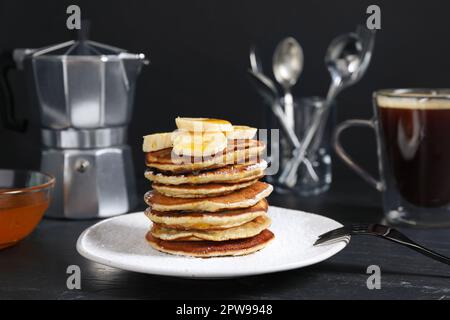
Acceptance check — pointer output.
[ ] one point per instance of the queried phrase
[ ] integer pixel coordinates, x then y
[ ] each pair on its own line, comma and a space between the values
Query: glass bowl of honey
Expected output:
24, 198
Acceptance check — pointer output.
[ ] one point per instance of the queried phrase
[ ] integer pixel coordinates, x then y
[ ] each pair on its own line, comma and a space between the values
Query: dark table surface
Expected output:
36, 268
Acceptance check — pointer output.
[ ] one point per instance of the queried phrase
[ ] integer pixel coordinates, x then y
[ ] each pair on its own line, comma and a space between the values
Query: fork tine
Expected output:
339, 233
330, 240
343, 229
331, 235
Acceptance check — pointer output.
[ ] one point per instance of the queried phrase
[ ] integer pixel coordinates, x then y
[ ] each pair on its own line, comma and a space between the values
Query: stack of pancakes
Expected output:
212, 206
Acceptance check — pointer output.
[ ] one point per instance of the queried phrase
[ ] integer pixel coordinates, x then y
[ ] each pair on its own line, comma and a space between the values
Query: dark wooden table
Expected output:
36, 268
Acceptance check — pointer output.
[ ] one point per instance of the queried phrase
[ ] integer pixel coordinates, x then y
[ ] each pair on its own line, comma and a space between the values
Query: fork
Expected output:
381, 231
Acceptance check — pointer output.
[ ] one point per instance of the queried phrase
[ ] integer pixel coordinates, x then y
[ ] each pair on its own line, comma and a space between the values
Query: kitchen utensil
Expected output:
381, 231
320, 158
255, 61
287, 67
85, 91
347, 59
268, 91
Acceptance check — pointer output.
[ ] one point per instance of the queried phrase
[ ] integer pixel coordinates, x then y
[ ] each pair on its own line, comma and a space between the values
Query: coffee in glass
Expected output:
413, 139
417, 141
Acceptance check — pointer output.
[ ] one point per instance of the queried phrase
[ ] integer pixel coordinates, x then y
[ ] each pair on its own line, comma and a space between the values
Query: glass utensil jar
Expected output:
317, 178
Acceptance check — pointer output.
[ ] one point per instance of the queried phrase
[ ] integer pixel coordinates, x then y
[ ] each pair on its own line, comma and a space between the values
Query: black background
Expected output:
199, 54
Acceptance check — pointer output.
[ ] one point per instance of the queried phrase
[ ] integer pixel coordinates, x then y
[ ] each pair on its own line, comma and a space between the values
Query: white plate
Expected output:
119, 242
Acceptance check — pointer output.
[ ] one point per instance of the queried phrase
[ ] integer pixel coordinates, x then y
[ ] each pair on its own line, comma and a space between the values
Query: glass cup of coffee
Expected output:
412, 129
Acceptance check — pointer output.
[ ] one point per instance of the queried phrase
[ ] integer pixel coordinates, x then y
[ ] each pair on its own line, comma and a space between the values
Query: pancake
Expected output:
207, 249
200, 190
228, 174
246, 230
243, 198
236, 152
207, 221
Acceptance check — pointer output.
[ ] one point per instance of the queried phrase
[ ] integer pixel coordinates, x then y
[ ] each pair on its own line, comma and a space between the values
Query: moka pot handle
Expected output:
8, 116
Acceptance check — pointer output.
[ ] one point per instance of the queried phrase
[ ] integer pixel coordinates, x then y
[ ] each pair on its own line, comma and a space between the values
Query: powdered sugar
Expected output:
260, 165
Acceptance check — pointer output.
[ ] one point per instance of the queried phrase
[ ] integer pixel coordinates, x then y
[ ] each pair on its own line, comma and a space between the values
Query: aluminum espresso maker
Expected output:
84, 90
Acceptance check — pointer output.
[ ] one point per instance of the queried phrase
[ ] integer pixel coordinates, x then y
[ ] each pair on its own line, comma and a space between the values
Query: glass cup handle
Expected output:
377, 184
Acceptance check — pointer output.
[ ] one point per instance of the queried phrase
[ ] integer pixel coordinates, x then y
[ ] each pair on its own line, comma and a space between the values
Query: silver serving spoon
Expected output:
347, 59
266, 88
287, 67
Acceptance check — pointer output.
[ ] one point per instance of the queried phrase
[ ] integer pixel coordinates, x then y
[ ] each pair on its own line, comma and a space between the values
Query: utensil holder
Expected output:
318, 152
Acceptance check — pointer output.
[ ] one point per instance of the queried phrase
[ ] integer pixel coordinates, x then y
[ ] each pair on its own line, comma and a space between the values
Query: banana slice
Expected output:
203, 125
157, 141
241, 132
198, 144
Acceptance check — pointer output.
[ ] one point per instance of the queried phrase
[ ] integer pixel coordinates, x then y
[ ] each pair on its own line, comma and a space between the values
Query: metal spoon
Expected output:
266, 88
366, 40
347, 59
287, 67
255, 61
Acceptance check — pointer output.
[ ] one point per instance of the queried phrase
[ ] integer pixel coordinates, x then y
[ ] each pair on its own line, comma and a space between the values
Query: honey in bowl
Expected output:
24, 198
